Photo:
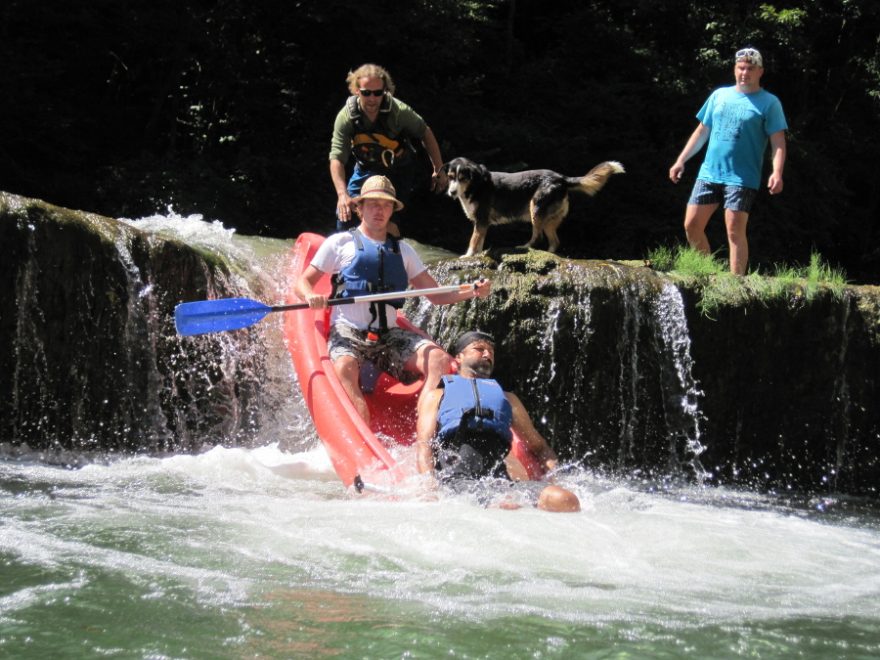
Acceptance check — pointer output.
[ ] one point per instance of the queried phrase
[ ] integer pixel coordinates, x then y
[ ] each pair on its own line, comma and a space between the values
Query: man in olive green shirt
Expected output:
378, 130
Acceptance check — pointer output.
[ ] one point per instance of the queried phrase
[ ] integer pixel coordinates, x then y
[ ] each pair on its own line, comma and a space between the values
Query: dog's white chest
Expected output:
469, 207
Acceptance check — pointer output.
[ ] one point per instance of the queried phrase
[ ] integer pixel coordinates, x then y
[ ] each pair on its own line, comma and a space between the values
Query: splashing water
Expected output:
250, 389
239, 552
261, 257
191, 229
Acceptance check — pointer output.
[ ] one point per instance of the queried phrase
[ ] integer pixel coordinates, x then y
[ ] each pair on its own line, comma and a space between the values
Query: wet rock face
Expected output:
89, 358
791, 393
615, 363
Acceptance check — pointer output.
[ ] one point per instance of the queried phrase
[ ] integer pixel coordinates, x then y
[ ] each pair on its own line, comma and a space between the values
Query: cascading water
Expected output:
839, 424
682, 402
254, 375
95, 362
608, 379
141, 330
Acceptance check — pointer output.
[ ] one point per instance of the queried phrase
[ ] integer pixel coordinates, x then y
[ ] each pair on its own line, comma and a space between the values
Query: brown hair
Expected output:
369, 71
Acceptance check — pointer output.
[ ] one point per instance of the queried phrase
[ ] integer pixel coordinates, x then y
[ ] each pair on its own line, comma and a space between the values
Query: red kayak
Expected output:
361, 454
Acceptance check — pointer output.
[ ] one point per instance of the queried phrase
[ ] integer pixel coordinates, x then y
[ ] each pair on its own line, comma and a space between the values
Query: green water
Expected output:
261, 553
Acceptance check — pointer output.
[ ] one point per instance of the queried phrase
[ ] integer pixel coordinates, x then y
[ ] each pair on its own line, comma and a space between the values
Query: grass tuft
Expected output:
718, 286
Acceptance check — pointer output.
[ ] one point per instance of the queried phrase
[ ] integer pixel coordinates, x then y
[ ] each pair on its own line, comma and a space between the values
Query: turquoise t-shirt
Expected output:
740, 125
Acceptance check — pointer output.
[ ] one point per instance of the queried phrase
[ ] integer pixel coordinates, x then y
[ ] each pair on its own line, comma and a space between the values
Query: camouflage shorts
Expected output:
389, 354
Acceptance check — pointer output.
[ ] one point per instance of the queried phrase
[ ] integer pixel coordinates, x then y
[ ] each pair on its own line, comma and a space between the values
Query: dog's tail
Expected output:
593, 181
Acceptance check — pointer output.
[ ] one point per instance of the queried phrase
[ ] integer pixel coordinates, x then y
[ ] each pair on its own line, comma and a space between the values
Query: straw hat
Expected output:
379, 187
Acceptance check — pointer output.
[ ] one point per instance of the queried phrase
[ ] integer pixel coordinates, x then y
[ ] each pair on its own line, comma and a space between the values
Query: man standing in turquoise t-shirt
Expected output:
737, 122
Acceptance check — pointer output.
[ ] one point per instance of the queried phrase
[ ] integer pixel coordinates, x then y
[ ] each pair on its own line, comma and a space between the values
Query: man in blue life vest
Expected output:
369, 260
466, 426
737, 122
378, 130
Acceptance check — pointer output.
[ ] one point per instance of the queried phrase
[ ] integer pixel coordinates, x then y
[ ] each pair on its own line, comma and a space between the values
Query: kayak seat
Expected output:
388, 386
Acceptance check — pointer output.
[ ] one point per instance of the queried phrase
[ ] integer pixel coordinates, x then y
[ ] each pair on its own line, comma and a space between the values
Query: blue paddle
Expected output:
196, 318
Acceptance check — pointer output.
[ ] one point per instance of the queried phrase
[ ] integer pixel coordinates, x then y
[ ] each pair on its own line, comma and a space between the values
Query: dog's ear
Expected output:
445, 168
484, 172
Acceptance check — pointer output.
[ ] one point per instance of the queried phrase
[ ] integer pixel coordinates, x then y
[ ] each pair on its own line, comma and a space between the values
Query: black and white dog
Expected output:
536, 196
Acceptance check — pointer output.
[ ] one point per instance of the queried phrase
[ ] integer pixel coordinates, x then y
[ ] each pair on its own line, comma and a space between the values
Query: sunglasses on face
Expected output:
372, 92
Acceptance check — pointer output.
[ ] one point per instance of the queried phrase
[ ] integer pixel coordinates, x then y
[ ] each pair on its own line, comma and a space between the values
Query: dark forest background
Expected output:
127, 107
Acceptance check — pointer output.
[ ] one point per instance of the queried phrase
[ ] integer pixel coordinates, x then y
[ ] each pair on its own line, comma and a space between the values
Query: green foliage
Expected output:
226, 108
783, 17
662, 258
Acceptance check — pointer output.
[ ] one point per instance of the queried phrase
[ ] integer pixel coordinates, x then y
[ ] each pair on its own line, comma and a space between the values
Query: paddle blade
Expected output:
195, 318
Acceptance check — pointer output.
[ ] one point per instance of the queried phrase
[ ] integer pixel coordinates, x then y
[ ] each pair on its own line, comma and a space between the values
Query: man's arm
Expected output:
692, 146
426, 427
778, 153
439, 182
425, 280
343, 201
525, 429
305, 285
340, 152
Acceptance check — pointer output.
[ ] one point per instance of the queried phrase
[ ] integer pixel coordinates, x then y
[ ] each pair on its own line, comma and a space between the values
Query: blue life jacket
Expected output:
474, 435
375, 269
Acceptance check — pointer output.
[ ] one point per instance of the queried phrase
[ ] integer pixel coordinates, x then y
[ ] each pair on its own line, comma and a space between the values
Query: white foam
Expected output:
226, 521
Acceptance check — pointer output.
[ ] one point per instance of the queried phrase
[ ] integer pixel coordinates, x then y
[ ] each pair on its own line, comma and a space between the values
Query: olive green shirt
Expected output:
400, 120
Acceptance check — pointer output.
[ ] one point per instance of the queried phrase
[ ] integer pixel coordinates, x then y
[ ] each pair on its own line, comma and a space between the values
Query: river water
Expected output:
260, 552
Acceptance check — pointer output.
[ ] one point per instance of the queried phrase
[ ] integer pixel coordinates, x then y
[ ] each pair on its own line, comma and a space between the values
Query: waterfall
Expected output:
227, 387
681, 405
141, 331
617, 367
628, 374
28, 365
841, 402
604, 366
94, 362
656, 396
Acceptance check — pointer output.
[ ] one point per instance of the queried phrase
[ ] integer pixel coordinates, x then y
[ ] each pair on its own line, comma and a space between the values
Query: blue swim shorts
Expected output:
735, 198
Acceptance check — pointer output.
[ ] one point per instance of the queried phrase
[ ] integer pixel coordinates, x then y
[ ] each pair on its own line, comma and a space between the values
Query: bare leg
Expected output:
696, 217
736, 222
348, 370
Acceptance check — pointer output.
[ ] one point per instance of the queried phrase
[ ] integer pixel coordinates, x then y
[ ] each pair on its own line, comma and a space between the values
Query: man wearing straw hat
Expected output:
368, 259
